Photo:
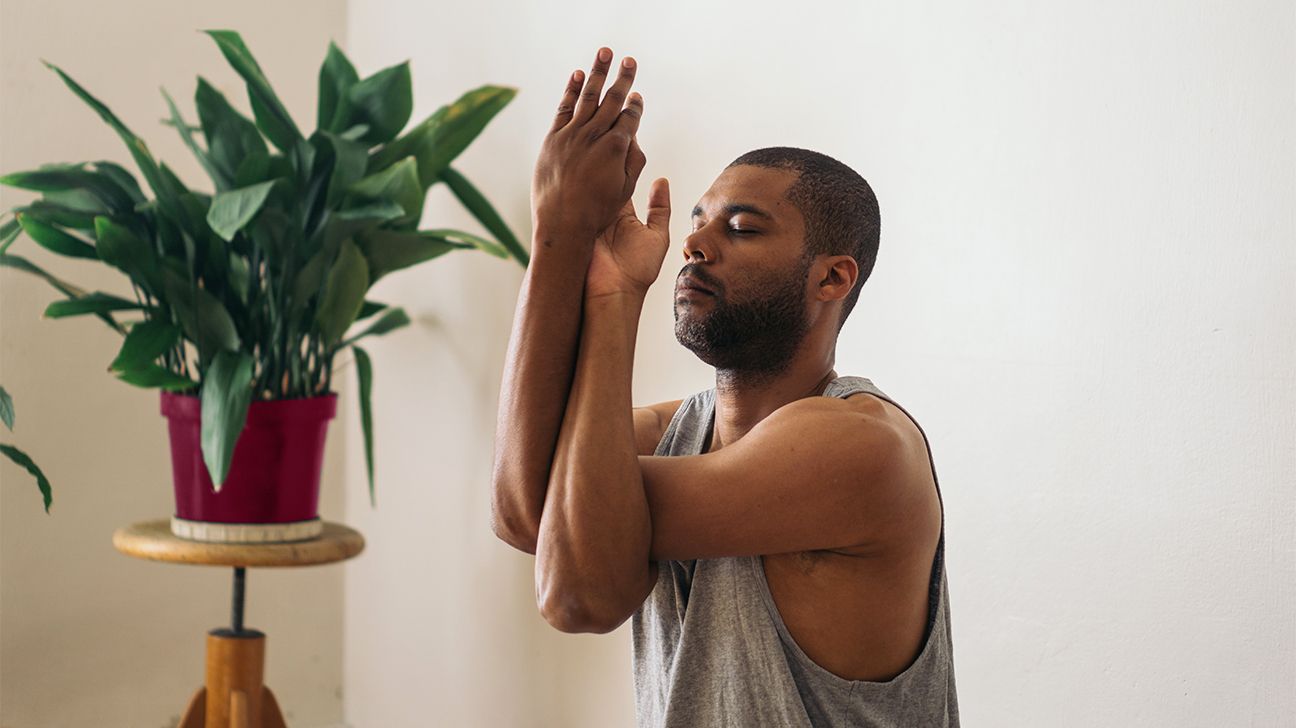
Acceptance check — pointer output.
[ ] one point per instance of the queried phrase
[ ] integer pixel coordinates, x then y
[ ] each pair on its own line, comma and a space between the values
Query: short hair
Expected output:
840, 210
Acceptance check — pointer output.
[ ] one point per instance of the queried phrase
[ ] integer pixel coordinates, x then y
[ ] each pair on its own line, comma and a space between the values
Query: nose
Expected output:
697, 249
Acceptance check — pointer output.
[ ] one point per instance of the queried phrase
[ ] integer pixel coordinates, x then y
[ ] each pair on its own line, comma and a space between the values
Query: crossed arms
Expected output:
574, 481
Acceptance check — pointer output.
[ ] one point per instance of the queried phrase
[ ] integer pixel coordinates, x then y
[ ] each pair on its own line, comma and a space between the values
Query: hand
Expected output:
628, 254
588, 167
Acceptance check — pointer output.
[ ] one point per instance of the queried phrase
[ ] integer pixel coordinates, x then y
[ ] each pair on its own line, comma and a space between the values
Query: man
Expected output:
778, 540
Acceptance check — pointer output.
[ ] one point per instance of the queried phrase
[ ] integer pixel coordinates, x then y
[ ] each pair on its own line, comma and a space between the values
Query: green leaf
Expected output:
376, 212
119, 247
355, 133
152, 376
124, 180
349, 160
393, 319
254, 168
19, 263
240, 276
138, 150
20, 457
6, 409
54, 239
343, 293
384, 102
336, 77
82, 201
226, 394
364, 372
391, 250
54, 214
437, 140
477, 204
67, 289
231, 137
369, 308
65, 183
8, 233
274, 235
271, 116
468, 239
97, 302
144, 343
204, 318
232, 210
219, 178
398, 183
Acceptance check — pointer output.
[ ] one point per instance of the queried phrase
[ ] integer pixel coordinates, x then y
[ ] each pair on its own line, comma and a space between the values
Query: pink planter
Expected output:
274, 477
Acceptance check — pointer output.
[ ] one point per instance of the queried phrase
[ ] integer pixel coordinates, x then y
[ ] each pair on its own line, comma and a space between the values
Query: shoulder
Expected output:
835, 425
863, 431
892, 416
650, 424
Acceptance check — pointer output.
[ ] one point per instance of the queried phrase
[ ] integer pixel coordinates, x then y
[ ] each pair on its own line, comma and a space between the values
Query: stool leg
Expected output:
239, 710
235, 670
271, 717
196, 712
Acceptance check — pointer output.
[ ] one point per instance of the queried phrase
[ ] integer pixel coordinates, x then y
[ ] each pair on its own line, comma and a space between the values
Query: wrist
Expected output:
555, 228
629, 303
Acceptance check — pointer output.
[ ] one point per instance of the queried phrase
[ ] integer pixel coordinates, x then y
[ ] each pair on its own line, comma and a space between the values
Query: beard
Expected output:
752, 339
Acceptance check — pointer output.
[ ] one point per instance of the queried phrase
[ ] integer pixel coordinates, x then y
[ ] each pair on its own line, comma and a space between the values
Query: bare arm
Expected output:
592, 566
583, 176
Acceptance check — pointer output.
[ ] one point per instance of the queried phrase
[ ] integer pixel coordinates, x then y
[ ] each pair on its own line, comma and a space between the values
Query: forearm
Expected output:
592, 566
537, 378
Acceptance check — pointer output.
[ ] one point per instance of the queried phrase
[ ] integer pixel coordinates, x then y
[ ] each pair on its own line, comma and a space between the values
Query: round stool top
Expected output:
153, 540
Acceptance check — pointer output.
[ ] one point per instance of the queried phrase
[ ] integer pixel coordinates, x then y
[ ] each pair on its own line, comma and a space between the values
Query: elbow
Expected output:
519, 533
510, 521
578, 615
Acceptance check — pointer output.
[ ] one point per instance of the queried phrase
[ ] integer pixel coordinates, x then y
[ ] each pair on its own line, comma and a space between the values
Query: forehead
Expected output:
761, 187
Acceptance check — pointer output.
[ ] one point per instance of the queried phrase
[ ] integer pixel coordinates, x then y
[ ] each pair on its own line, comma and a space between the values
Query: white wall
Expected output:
1083, 293
91, 637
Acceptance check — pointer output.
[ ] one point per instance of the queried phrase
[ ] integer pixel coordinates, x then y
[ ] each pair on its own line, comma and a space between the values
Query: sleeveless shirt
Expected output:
710, 648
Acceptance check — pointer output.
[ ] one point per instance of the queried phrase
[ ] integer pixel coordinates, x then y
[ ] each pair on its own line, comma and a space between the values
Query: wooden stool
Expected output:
234, 695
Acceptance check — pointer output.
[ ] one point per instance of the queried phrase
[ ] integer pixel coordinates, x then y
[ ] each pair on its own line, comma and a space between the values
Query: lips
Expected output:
693, 284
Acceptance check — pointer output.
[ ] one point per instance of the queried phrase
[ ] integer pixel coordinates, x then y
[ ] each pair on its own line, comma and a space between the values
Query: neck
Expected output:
744, 399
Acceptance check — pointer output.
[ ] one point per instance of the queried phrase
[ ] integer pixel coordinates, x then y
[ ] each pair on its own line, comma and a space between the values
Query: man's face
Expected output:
740, 301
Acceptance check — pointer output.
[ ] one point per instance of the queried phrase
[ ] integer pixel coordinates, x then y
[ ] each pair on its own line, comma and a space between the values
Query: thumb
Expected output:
659, 207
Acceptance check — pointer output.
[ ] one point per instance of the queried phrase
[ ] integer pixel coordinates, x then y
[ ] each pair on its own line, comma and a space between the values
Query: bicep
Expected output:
650, 424
815, 476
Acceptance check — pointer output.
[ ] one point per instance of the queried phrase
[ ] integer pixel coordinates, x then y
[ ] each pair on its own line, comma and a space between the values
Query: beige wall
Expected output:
91, 637
1083, 294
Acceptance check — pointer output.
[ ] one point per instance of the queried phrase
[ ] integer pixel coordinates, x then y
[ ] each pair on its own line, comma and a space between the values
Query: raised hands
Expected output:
587, 170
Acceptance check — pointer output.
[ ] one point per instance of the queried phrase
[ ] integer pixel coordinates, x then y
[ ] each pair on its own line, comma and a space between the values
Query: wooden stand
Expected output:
234, 695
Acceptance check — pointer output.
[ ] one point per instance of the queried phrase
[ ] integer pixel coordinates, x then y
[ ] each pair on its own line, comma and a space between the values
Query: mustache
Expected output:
696, 270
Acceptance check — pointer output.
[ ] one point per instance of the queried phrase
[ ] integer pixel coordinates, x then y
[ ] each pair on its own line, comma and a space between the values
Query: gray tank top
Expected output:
711, 649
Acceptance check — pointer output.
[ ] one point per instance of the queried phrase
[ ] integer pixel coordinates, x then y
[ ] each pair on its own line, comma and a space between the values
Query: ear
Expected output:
838, 276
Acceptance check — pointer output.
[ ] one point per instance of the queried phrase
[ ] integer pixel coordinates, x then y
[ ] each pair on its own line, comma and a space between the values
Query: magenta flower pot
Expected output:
272, 490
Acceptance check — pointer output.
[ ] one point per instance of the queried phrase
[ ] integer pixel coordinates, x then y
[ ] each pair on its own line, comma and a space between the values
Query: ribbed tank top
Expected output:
711, 649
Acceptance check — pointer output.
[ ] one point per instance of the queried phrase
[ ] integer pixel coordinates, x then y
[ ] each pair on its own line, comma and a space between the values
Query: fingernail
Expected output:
628, 62
605, 55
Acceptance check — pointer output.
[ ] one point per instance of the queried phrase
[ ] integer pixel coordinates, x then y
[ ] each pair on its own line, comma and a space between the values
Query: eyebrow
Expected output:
737, 207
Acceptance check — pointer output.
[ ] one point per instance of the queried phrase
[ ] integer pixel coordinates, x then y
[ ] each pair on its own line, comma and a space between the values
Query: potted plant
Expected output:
244, 296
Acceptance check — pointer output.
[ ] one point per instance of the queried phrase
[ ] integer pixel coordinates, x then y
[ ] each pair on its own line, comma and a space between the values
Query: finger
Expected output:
615, 97
589, 97
568, 103
627, 122
635, 161
659, 207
